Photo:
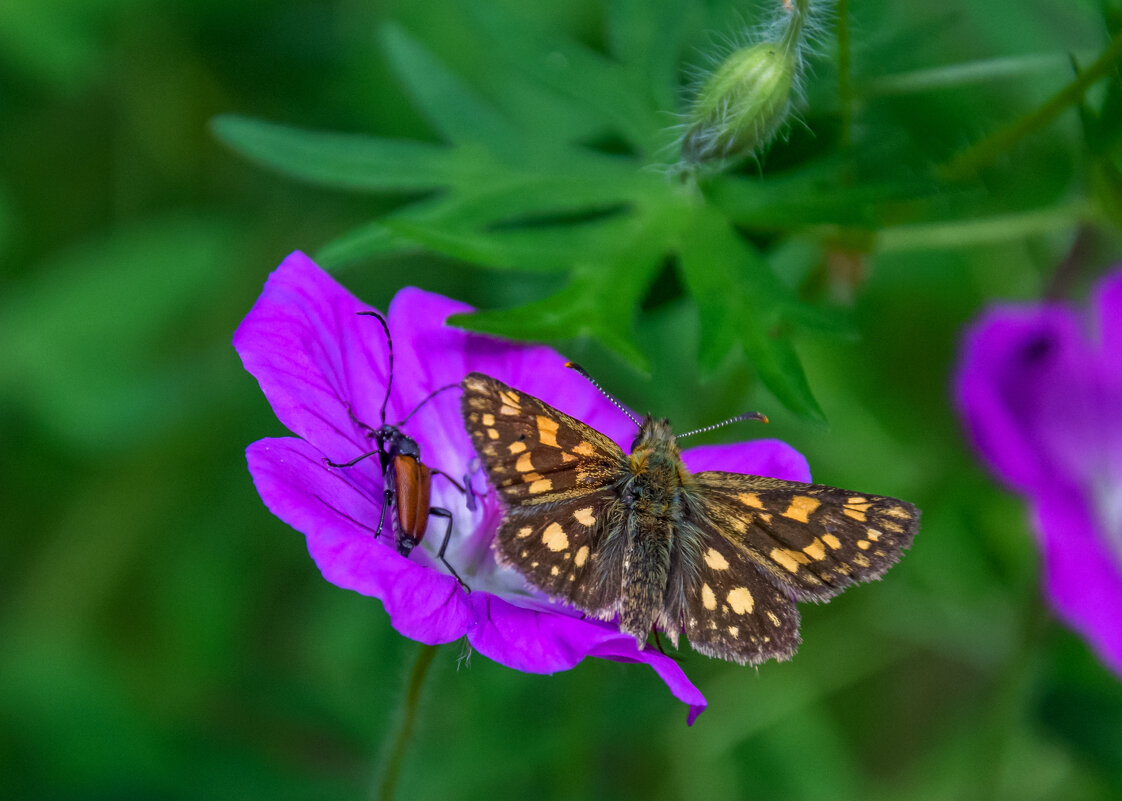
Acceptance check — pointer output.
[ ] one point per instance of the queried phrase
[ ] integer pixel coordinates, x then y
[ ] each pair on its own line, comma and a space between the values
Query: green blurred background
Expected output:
163, 636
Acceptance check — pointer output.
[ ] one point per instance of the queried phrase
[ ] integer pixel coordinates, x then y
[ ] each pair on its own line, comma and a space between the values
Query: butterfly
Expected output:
721, 557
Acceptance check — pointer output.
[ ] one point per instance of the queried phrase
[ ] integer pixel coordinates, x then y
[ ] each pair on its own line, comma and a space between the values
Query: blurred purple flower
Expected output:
314, 357
1041, 395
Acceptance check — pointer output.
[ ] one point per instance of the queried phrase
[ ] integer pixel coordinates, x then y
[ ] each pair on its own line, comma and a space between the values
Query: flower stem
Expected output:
405, 729
969, 161
792, 36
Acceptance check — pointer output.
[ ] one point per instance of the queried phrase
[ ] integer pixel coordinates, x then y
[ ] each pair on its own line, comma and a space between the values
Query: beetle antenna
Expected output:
389, 342
428, 397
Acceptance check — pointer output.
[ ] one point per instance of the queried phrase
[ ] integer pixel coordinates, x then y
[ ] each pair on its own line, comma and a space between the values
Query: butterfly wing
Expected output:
732, 610
533, 453
814, 539
556, 477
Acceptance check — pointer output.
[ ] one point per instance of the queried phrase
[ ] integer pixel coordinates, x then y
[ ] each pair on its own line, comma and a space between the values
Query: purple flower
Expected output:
315, 358
1041, 394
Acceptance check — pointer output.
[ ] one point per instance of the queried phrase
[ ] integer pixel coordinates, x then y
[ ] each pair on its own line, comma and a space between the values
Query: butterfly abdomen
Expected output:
652, 498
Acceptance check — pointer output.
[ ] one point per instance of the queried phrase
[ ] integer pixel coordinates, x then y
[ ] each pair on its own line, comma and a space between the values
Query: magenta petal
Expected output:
313, 355
760, 457
1014, 362
338, 519
1082, 576
1108, 307
538, 641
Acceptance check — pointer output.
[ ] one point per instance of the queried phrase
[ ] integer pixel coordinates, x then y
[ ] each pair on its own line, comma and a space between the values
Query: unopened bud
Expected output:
742, 104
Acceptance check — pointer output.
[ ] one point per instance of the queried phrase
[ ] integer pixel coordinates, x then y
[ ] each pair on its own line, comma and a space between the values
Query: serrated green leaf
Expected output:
646, 36
456, 112
553, 248
814, 195
571, 69
372, 239
740, 301
348, 161
599, 301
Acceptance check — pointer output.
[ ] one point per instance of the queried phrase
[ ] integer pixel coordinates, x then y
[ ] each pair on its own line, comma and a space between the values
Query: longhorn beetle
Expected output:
407, 480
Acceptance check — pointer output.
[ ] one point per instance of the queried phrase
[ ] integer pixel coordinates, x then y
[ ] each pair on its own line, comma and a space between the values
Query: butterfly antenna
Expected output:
428, 397
389, 381
737, 419
591, 380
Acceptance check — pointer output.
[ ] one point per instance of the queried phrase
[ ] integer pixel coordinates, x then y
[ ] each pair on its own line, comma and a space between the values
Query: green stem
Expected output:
966, 163
845, 78
794, 31
409, 715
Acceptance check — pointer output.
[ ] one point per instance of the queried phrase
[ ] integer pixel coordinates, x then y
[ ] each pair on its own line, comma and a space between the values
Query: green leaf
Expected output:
448, 103
347, 161
646, 36
741, 301
817, 194
576, 72
599, 301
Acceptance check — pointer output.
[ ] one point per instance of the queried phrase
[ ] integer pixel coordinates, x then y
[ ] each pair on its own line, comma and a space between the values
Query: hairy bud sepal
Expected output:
742, 104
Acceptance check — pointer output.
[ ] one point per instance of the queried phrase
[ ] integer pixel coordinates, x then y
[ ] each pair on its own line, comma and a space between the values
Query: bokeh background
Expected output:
162, 636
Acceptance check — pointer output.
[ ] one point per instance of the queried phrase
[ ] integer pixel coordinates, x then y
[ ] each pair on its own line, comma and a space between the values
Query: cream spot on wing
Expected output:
740, 524
785, 559
584, 516
541, 485
708, 599
734, 630
750, 499
567, 457
511, 397
716, 560
855, 500
832, 541
802, 506
581, 557
523, 464
488, 419
741, 601
863, 544
899, 512
873, 534
516, 447
554, 537
858, 507
856, 515
774, 618
861, 560
524, 532
555, 571
585, 449
492, 433
547, 431
895, 528
816, 550
509, 410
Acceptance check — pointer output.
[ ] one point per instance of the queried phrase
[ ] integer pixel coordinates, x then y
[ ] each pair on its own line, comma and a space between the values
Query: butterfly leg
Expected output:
438, 512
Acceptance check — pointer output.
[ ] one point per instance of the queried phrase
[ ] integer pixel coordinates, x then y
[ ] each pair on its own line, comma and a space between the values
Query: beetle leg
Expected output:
438, 512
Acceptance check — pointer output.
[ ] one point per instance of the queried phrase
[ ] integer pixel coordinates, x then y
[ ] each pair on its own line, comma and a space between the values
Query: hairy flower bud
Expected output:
742, 104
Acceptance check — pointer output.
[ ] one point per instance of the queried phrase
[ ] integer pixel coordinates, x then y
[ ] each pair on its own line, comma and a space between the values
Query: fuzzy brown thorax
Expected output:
652, 499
